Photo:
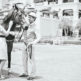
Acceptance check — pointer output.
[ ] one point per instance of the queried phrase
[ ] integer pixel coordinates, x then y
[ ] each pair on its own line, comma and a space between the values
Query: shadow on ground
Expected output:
13, 75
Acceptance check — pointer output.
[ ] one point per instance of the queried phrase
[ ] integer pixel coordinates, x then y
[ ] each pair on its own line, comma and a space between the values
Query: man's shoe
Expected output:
24, 75
3, 77
30, 78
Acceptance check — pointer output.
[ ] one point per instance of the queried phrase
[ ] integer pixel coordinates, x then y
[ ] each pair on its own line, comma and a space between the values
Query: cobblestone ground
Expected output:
53, 63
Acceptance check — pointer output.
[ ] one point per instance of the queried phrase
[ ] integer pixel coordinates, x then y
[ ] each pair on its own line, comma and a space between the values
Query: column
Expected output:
60, 1
75, 16
60, 13
38, 23
0, 4
51, 16
76, 1
75, 21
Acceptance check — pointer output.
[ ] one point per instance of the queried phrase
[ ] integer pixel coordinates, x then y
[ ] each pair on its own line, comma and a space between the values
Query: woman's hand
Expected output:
12, 33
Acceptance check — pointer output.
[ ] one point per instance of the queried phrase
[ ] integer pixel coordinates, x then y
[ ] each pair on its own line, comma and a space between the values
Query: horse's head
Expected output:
19, 15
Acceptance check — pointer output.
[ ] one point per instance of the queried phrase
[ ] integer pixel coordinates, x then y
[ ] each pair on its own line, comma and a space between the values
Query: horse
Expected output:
17, 15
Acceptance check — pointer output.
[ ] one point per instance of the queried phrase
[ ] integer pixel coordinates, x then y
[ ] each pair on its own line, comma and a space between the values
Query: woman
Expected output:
3, 48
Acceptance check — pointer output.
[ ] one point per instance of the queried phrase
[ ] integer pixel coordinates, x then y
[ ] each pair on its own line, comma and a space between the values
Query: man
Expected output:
31, 37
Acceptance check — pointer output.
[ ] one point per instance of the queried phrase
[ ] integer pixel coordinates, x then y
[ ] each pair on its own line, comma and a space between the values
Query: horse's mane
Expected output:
8, 17
11, 16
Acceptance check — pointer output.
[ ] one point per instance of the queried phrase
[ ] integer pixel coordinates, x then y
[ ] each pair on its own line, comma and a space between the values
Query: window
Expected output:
49, 1
79, 0
55, 14
38, 1
45, 13
79, 13
65, 1
68, 12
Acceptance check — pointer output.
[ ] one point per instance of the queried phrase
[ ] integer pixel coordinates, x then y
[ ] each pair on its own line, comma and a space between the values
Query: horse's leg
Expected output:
9, 49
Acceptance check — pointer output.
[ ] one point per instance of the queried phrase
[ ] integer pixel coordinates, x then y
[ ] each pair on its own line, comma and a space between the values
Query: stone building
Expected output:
51, 9
69, 9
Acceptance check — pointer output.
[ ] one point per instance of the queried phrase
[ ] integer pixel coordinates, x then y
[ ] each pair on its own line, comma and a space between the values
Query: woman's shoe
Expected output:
9, 71
2, 77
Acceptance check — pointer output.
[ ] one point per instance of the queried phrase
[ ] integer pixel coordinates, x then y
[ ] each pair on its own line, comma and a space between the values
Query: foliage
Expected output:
66, 26
65, 22
79, 24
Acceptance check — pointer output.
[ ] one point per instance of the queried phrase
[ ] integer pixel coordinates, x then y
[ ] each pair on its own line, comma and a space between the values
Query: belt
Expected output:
9, 40
2, 36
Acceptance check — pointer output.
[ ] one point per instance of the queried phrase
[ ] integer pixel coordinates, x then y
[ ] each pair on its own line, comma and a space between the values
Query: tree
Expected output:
66, 25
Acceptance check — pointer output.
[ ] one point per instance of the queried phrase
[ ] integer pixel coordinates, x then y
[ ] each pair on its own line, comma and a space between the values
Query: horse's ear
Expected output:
15, 6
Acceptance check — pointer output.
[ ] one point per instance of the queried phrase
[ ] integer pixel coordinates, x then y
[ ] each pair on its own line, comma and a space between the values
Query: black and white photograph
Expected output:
40, 40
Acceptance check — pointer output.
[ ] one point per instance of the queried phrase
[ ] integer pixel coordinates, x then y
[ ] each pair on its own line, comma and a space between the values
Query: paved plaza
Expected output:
53, 63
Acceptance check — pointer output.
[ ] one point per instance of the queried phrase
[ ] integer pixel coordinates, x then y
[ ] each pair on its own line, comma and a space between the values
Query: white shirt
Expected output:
32, 35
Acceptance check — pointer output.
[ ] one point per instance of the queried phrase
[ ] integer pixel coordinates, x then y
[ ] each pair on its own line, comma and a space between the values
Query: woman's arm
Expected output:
2, 30
6, 33
10, 25
12, 33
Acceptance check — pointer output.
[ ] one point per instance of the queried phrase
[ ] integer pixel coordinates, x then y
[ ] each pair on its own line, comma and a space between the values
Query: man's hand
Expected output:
32, 43
29, 44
